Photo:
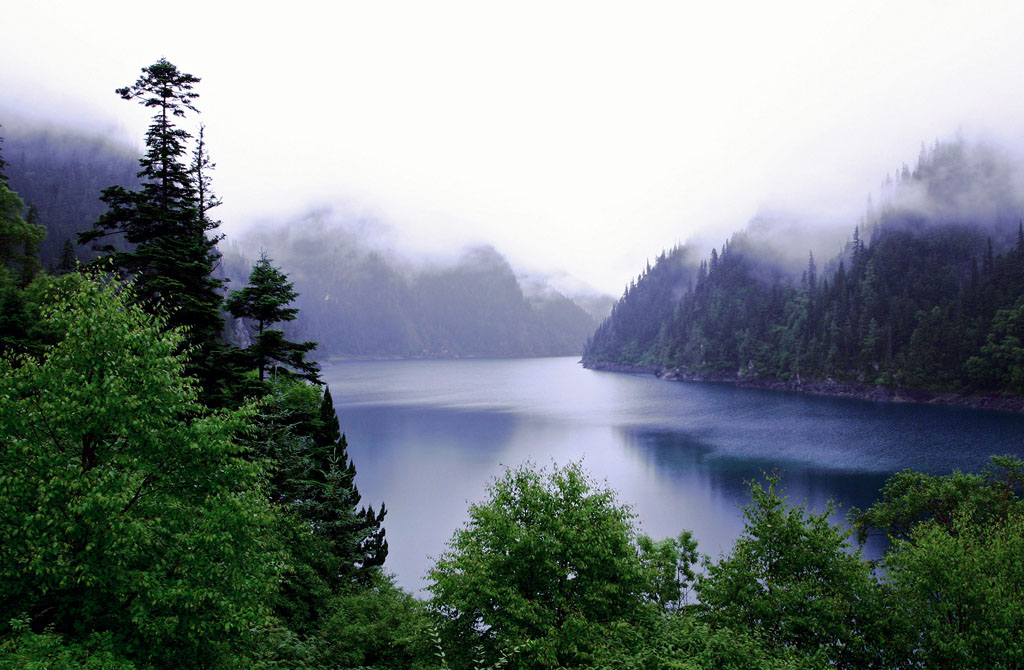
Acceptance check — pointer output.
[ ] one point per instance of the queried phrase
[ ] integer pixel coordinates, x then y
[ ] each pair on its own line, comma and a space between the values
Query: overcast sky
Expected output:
581, 137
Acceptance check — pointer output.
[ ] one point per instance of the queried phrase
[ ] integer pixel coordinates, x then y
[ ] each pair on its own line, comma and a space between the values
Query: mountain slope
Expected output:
933, 299
360, 302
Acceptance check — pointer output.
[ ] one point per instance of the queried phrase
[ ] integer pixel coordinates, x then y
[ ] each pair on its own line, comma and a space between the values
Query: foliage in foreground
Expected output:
549, 573
793, 578
126, 507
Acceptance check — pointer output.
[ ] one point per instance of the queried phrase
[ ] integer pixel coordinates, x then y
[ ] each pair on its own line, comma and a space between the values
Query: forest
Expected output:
928, 295
170, 499
357, 302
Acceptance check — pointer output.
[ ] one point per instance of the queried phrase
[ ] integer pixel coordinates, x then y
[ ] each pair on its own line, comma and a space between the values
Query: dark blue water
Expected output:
427, 436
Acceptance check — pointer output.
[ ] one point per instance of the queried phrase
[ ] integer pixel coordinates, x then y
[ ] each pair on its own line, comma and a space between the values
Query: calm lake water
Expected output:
427, 436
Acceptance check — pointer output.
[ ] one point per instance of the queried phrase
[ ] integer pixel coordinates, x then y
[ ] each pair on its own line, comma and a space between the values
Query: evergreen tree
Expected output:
358, 542
812, 274
3, 163
171, 256
265, 301
201, 168
68, 262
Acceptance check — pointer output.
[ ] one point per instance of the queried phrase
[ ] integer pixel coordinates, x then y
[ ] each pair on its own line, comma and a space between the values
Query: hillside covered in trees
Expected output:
927, 295
358, 302
59, 174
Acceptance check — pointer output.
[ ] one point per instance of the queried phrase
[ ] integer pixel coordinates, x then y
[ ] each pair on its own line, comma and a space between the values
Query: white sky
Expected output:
575, 136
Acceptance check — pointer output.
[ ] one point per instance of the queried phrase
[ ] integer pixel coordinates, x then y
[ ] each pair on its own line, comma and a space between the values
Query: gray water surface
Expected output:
426, 437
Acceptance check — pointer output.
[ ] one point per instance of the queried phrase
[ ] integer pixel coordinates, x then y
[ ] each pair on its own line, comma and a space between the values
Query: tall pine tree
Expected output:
164, 225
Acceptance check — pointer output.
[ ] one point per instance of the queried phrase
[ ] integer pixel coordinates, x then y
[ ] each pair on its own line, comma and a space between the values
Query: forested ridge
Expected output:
59, 174
928, 294
169, 499
357, 302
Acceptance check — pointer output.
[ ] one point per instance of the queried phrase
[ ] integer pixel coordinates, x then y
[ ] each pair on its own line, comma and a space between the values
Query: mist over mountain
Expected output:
358, 295
926, 293
61, 172
359, 298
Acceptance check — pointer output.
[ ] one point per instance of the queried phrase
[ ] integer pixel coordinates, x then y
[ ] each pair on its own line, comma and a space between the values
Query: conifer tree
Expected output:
171, 256
3, 163
67, 262
355, 533
265, 302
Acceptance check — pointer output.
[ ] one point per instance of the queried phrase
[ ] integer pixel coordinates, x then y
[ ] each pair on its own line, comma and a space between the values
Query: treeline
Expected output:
358, 302
929, 294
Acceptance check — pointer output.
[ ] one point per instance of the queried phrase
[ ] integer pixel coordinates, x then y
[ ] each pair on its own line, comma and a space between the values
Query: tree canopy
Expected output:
544, 568
127, 509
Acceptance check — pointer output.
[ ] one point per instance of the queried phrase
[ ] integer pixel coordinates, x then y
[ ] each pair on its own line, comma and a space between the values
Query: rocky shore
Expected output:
826, 387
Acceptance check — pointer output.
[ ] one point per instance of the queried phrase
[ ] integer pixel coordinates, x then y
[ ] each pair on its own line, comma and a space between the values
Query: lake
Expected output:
428, 435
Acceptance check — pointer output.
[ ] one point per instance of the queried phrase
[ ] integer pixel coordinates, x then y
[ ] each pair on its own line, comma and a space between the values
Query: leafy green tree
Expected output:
910, 498
48, 651
682, 641
792, 579
377, 625
126, 507
955, 563
548, 564
962, 588
265, 302
170, 254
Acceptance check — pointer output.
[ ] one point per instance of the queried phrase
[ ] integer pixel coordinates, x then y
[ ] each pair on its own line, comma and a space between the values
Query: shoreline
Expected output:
826, 388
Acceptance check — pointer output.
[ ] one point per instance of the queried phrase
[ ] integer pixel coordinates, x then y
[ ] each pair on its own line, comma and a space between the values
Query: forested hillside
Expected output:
928, 294
59, 173
358, 302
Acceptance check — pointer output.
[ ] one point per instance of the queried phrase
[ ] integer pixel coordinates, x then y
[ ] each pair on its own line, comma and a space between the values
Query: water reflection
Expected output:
427, 436
687, 463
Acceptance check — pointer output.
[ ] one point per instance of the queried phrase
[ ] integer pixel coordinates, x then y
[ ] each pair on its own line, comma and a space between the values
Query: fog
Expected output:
578, 139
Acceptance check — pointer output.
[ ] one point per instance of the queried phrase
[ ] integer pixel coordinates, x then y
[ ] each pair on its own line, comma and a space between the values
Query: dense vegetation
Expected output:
929, 294
168, 500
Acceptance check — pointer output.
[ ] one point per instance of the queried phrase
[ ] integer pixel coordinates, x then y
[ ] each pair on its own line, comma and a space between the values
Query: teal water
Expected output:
427, 436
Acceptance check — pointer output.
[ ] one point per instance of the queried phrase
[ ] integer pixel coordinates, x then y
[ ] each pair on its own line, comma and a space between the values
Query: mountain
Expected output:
358, 301
354, 299
61, 172
928, 294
